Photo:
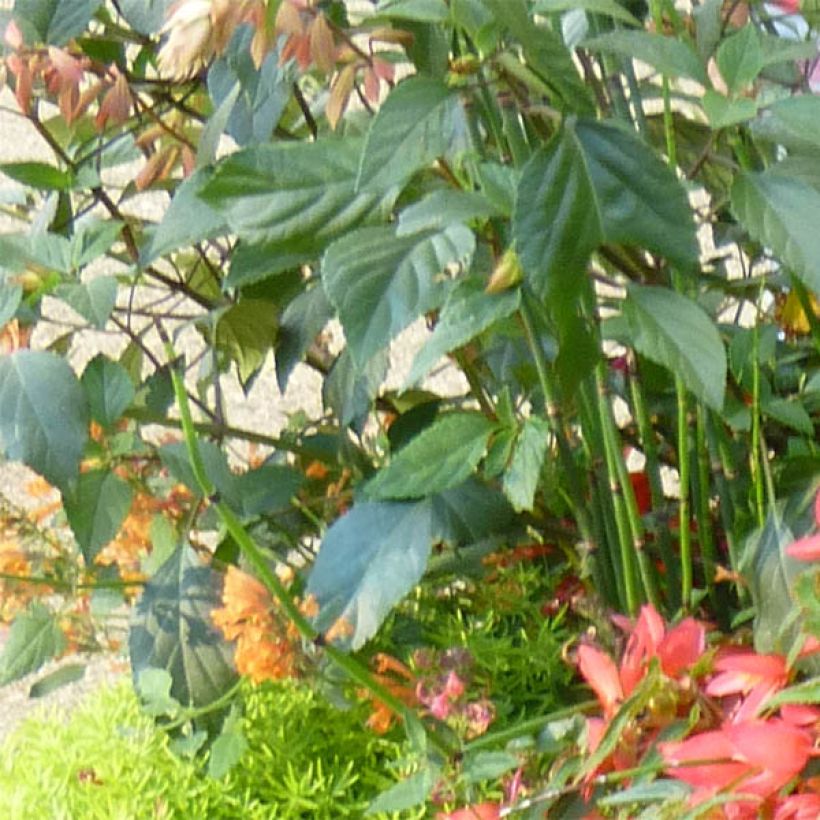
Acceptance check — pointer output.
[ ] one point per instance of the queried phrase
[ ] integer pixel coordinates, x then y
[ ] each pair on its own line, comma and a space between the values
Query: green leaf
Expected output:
348, 391
675, 332
422, 11
53, 21
297, 196
164, 541
488, 766
595, 183
376, 553
172, 630
70, 673
215, 127
656, 791
95, 509
779, 212
228, 748
740, 58
369, 560
246, 331
790, 413
91, 239
267, 489
108, 388
145, 16
43, 414
93, 300
793, 122
187, 220
608, 8
301, 321
415, 125
523, 475
154, 689
255, 263
407, 793
807, 691
34, 638
669, 56
442, 456
10, 297
380, 283
38, 175
443, 208
722, 111
467, 312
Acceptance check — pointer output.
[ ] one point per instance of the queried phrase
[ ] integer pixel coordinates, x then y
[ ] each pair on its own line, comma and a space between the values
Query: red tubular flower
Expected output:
481, 811
757, 677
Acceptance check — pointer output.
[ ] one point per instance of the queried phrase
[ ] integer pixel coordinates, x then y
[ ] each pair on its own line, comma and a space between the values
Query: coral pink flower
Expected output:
757, 757
798, 807
601, 674
808, 548
789, 6
757, 677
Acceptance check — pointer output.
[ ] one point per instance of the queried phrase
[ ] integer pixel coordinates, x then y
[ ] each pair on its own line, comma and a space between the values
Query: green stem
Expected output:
668, 121
653, 472
555, 419
705, 532
256, 559
44, 580
755, 454
684, 526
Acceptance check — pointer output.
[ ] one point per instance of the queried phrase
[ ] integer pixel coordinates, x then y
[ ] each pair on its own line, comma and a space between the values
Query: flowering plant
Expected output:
590, 229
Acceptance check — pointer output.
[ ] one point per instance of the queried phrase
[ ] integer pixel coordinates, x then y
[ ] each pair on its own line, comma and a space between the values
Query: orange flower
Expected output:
267, 646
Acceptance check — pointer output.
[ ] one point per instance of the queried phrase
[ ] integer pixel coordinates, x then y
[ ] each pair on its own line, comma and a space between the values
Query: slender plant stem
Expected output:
756, 455
684, 464
706, 537
555, 420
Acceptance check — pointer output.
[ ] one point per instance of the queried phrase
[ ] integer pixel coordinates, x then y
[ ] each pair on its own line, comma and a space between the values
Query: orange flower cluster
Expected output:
397, 679
134, 538
267, 644
14, 595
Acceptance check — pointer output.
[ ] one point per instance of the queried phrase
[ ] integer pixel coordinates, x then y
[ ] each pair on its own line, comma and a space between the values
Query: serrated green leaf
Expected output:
95, 509
108, 388
172, 630
246, 331
415, 125
53, 21
778, 211
608, 8
145, 16
488, 766
369, 560
673, 331
790, 413
215, 127
595, 183
467, 312
740, 58
421, 11
793, 122
34, 638
255, 263
70, 673
522, 476
380, 283
377, 552
295, 196
10, 297
807, 692
669, 56
43, 414
442, 456
722, 111
93, 300
443, 208
349, 390
187, 220
301, 321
